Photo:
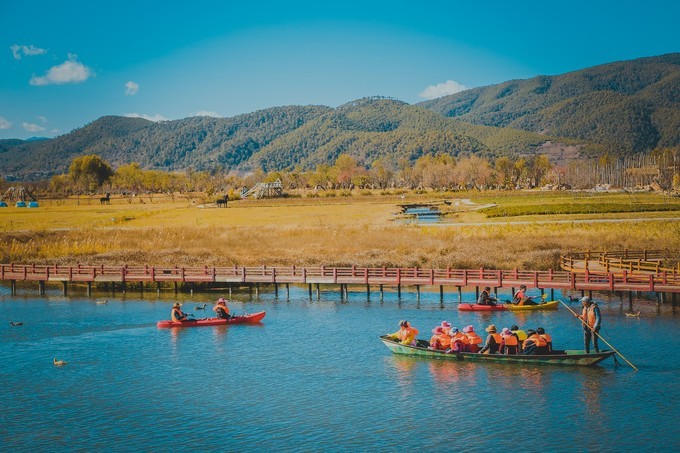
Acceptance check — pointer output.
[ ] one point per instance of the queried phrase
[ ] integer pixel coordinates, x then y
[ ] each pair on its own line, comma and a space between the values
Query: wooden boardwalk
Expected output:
581, 280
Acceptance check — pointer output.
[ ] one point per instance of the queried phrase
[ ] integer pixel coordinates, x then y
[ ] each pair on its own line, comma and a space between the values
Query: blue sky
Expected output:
65, 64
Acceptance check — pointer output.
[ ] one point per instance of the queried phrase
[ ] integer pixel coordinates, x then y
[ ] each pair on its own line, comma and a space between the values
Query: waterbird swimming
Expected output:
12, 323
198, 307
59, 362
102, 302
633, 315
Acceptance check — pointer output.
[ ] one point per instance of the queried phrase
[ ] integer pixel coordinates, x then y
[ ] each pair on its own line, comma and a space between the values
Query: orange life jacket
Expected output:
538, 340
546, 337
463, 338
474, 338
497, 338
588, 315
511, 340
440, 341
408, 335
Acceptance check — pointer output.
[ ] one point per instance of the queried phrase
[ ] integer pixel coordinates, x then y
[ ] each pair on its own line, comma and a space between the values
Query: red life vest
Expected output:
538, 340
511, 340
474, 338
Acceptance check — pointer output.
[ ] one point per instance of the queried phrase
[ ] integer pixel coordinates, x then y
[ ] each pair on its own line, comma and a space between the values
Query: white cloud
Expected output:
442, 89
19, 51
42, 119
4, 124
207, 113
131, 88
70, 71
30, 127
155, 118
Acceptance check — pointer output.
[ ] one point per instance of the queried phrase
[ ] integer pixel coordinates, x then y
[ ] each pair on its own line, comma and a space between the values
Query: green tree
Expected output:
90, 172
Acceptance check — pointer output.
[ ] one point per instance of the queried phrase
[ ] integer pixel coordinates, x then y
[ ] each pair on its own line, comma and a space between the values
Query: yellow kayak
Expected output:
552, 305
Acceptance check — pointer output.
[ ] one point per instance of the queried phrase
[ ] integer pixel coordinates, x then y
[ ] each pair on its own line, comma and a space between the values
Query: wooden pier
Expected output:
575, 280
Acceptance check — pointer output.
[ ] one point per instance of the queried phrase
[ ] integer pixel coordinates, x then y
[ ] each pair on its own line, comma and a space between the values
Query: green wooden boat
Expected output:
568, 357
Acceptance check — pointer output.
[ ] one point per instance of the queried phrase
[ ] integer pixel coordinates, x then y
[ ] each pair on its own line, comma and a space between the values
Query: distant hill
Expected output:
628, 107
272, 139
622, 108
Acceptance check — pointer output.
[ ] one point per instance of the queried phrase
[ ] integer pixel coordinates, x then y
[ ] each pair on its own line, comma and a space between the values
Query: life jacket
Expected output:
519, 295
511, 340
521, 335
538, 340
589, 315
177, 314
497, 338
474, 338
463, 338
440, 341
408, 335
546, 337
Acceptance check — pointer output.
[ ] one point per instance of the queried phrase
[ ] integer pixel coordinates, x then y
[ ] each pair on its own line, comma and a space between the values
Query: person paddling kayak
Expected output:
221, 309
177, 314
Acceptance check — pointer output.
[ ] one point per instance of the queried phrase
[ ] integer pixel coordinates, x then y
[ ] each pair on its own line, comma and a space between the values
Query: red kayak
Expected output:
244, 319
477, 307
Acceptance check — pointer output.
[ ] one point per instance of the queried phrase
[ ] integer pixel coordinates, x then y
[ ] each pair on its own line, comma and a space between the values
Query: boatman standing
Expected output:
592, 321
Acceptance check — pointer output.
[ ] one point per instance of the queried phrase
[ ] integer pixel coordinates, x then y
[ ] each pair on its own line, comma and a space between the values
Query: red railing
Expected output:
583, 280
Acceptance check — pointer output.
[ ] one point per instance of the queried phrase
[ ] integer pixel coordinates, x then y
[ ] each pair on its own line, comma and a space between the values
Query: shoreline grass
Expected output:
336, 231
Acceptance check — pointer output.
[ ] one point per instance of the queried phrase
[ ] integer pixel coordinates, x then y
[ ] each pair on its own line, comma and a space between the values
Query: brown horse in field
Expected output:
106, 199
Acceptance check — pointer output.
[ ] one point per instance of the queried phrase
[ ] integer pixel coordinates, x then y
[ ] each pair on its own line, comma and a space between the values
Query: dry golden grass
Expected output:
338, 231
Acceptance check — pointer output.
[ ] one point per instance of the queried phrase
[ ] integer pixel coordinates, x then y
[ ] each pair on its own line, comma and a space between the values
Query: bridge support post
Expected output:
630, 300
476, 294
250, 290
13, 286
158, 287
65, 288
318, 292
276, 290
418, 293
41, 287
89, 289
460, 294
191, 289
441, 294
382, 294
368, 292
230, 291
124, 287
176, 288
257, 290
310, 291
552, 293
287, 291
399, 291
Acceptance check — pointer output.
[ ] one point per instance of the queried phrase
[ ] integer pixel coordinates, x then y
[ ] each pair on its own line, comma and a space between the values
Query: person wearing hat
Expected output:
459, 341
473, 339
406, 334
520, 297
177, 314
493, 341
440, 340
509, 342
221, 309
592, 321
485, 297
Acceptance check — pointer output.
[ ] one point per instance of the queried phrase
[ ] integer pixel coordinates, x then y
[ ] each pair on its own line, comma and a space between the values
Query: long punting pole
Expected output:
599, 336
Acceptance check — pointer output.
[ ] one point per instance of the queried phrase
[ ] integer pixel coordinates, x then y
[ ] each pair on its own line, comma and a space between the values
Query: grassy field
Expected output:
523, 229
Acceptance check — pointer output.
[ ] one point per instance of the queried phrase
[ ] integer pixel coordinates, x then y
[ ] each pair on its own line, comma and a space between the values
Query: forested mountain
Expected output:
276, 138
628, 107
621, 108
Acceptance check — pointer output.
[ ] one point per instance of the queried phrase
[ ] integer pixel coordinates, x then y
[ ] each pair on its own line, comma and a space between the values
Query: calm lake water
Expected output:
314, 377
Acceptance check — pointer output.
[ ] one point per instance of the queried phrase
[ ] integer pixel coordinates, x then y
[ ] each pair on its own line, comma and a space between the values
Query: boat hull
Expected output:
552, 305
245, 319
569, 358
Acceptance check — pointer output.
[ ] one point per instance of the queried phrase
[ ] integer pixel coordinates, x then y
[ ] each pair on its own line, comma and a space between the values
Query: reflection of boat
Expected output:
244, 319
568, 357
553, 305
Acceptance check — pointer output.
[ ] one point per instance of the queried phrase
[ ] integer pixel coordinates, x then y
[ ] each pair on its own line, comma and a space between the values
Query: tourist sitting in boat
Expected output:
493, 341
447, 327
521, 298
485, 297
221, 309
177, 314
509, 342
520, 334
474, 339
533, 344
459, 341
406, 334
548, 341
440, 340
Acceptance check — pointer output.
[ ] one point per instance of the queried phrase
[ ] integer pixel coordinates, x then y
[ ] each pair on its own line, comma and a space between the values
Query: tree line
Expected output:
90, 174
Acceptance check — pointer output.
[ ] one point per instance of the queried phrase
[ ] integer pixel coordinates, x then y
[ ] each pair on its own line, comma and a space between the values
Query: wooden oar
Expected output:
599, 336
